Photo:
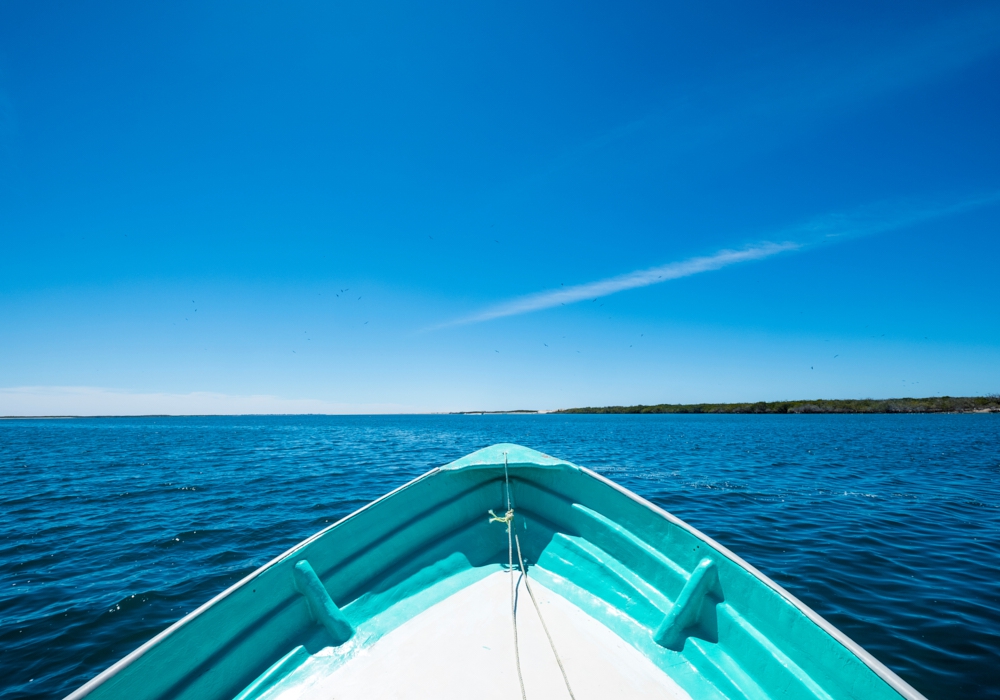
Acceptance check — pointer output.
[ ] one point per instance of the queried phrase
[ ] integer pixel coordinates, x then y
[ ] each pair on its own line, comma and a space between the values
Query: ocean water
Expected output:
111, 529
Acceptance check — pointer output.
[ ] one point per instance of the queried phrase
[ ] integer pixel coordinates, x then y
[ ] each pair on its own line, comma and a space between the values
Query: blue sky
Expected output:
767, 202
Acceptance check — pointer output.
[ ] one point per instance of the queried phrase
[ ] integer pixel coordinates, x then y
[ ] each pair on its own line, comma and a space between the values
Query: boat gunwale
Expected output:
133, 656
881, 670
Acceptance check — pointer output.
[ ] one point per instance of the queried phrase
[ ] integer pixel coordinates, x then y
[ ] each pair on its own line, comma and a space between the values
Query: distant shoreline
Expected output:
495, 413
934, 404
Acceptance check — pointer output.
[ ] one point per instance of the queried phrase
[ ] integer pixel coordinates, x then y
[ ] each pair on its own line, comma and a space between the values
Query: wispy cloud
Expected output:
631, 280
883, 217
822, 230
98, 401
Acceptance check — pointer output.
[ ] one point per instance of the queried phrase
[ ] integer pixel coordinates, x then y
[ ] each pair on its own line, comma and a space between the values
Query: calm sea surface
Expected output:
112, 529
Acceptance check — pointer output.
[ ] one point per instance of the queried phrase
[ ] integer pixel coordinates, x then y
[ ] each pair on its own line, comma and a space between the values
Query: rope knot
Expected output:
506, 518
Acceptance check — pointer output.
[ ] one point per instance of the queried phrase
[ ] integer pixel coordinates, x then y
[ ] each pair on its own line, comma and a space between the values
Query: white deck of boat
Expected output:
463, 648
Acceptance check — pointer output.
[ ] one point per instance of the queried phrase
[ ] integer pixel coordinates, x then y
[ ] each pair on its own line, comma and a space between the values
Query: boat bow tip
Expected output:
516, 456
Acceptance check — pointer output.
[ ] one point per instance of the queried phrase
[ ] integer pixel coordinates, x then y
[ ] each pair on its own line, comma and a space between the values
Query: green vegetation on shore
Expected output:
934, 404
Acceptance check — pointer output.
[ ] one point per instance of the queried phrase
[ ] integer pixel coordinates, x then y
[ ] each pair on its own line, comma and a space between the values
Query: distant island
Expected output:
934, 404
491, 413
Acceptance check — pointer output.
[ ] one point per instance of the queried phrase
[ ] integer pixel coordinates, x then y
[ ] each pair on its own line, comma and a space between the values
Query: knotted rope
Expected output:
512, 539
507, 518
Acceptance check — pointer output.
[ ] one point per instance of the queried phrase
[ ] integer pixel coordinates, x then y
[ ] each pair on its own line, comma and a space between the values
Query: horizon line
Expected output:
520, 411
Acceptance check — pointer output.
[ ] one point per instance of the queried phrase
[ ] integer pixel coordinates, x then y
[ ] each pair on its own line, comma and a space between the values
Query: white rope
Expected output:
541, 619
509, 519
512, 538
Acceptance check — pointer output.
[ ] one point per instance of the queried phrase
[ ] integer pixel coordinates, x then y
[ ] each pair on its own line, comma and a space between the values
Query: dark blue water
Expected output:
112, 529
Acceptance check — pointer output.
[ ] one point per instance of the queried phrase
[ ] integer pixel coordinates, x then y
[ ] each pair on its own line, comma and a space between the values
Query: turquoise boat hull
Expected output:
411, 596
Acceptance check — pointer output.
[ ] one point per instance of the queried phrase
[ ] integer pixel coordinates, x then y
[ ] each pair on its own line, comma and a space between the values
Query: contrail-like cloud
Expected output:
631, 280
822, 230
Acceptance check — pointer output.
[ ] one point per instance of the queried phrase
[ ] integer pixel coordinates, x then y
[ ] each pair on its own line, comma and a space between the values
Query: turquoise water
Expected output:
112, 529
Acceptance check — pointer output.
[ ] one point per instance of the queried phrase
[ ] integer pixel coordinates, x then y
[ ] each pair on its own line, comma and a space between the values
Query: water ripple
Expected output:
112, 529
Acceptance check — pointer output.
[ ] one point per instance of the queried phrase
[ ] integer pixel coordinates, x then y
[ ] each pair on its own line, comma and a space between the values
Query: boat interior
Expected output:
423, 593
